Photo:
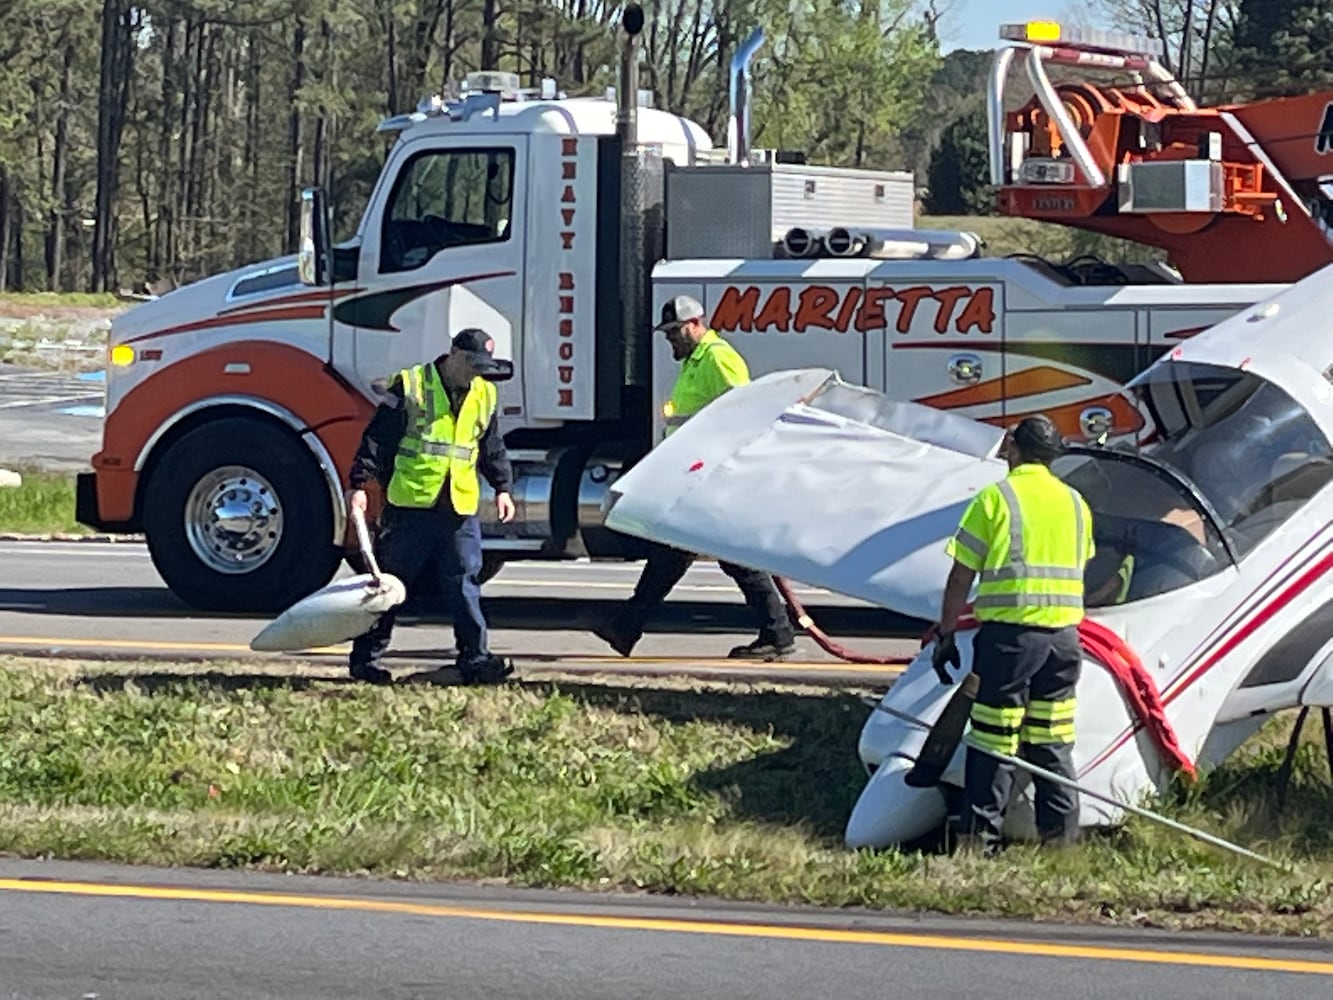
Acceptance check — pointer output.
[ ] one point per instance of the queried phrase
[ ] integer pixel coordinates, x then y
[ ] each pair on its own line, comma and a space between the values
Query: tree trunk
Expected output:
1186, 41
252, 123
1207, 51
322, 169
16, 277
6, 222
113, 92
194, 179
38, 118
447, 49
163, 250
490, 44
294, 140
55, 239
391, 50
184, 241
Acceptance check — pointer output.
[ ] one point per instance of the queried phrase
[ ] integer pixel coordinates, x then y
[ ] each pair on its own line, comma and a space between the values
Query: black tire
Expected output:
274, 472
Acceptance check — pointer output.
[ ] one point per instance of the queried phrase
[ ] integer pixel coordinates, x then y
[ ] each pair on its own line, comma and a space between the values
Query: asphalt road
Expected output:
101, 932
80, 598
49, 419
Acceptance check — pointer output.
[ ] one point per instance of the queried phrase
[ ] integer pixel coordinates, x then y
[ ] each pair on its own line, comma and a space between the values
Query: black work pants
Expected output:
409, 539
666, 567
1024, 707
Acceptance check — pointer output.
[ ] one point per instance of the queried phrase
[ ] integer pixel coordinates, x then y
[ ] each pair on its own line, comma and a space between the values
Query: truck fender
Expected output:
321, 454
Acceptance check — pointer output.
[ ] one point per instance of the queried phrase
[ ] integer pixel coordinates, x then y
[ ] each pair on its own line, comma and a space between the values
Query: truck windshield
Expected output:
1250, 449
1152, 535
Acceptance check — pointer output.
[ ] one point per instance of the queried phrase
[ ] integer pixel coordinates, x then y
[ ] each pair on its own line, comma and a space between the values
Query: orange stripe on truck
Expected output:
278, 373
1030, 382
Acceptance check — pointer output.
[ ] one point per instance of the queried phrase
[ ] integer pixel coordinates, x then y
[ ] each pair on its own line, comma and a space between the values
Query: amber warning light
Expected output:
1075, 37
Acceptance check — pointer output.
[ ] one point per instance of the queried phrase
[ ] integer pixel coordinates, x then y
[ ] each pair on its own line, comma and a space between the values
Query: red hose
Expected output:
826, 642
1101, 643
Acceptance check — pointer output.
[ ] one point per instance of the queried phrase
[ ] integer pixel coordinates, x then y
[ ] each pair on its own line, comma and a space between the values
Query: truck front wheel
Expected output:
238, 518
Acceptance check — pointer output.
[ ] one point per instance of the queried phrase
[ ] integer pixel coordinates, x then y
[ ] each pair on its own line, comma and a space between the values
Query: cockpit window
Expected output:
1152, 535
1249, 448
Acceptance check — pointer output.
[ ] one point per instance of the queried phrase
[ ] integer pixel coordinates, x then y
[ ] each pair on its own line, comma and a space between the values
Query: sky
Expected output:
975, 24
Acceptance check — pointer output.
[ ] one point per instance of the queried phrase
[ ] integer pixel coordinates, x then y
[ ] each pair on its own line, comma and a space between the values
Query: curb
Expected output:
14, 536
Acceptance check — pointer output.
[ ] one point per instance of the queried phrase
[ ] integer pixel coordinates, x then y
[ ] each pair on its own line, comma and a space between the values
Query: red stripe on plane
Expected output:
1247, 629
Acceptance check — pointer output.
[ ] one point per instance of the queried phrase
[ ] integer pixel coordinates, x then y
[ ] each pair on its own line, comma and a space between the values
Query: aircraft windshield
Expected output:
1151, 533
1250, 449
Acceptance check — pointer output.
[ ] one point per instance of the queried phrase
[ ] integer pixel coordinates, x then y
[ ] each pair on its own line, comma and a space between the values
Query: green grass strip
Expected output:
686, 788
43, 504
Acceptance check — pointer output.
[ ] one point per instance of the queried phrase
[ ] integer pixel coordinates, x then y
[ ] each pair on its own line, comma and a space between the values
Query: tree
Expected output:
842, 83
1196, 34
958, 179
957, 88
211, 114
1284, 47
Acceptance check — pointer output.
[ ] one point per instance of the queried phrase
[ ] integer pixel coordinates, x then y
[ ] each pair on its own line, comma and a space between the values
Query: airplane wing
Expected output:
825, 483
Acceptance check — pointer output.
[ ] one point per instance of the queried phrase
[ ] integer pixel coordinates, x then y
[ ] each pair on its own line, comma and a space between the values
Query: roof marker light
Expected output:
1073, 36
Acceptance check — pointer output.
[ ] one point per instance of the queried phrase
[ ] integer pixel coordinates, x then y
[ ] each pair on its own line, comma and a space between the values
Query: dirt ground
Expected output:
21, 310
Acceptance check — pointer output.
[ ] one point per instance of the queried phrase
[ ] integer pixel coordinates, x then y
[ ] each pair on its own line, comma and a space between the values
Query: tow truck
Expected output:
559, 225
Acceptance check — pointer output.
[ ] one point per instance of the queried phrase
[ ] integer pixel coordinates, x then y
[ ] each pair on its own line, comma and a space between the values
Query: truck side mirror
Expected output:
315, 253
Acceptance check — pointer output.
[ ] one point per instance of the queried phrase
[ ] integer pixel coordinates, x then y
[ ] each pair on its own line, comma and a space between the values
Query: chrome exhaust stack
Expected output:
738, 128
627, 90
638, 237
842, 242
918, 244
799, 242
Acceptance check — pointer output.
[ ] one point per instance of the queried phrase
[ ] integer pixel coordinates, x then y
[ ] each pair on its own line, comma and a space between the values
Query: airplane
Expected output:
1221, 513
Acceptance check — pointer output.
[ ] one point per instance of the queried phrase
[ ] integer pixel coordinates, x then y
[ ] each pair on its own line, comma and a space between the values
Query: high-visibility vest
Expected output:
712, 368
436, 447
1032, 537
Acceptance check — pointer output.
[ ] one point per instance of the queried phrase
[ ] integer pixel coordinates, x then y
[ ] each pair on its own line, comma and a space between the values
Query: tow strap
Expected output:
1116, 655
1100, 642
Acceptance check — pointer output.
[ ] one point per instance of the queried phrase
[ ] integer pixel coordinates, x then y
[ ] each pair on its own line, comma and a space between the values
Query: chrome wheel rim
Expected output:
233, 520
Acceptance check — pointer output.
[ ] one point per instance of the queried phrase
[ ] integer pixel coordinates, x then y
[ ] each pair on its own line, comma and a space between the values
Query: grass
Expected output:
44, 504
1007, 235
682, 787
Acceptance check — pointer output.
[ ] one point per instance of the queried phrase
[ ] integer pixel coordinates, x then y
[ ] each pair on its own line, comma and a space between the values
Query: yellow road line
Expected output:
160, 646
575, 585
944, 942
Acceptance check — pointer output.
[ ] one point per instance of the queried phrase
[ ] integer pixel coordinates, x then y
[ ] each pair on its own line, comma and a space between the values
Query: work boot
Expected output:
370, 675
766, 650
484, 668
977, 845
617, 634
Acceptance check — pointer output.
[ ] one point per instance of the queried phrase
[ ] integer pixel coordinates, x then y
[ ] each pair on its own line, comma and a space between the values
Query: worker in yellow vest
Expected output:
709, 367
1030, 538
426, 447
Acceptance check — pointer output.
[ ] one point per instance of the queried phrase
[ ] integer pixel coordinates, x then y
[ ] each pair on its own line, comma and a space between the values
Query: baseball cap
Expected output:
478, 346
1037, 436
679, 309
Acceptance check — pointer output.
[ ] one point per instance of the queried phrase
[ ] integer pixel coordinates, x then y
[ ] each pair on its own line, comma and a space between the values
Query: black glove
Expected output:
946, 651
